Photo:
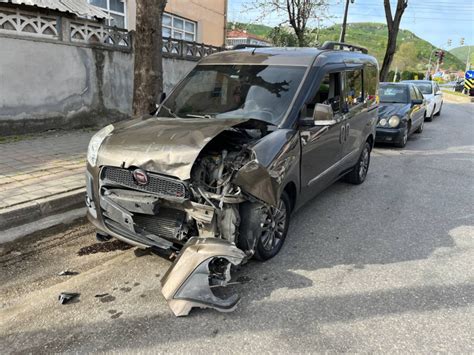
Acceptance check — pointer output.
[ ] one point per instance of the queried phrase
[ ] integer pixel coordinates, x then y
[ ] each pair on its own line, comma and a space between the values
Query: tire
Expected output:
403, 142
439, 112
420, 127
359, 173
274, 230
430, 118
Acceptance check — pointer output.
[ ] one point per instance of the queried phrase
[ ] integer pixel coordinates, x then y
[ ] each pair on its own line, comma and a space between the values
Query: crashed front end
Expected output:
192, 213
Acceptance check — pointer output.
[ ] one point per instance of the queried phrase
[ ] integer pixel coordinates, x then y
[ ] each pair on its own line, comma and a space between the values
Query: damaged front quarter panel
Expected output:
275, 161
203, 263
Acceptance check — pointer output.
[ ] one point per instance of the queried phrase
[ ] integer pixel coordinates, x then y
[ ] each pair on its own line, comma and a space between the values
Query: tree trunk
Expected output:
393, 25
148, 43
301, 39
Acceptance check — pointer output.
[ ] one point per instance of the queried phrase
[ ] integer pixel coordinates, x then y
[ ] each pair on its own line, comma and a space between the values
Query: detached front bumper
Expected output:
201, 264
389, 135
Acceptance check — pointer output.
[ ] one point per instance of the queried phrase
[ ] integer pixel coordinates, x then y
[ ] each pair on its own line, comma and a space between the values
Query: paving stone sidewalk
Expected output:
41, 166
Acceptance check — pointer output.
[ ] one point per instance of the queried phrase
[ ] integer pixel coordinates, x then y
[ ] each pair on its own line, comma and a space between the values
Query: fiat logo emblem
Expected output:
140, 176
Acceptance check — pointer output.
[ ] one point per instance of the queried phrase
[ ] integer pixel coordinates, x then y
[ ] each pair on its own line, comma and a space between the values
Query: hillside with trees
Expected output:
412, 52
462, 52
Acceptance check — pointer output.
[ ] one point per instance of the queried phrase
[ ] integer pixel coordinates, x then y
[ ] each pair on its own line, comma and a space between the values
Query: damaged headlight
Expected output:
96, 142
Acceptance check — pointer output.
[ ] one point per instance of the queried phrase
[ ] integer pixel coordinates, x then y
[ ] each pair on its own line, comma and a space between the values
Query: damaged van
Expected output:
211, 179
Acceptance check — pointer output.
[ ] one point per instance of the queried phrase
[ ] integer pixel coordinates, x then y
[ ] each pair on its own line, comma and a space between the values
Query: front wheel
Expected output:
274, 227
420, 127
439, 112
403, 141
430, 118
359, 172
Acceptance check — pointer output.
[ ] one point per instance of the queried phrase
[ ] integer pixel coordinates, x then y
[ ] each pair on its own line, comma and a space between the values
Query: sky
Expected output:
436, 21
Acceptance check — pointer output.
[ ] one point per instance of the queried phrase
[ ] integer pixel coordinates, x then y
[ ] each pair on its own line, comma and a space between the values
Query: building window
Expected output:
116, 9
179, 28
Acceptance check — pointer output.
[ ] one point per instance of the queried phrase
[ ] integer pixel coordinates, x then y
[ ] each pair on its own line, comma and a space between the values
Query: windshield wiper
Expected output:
199, 116
170, 111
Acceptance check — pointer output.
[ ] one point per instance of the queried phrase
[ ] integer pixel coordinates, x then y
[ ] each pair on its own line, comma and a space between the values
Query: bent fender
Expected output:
202, 263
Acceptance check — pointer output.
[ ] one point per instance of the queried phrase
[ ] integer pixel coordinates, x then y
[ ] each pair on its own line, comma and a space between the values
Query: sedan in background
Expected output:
433, 95
402, 111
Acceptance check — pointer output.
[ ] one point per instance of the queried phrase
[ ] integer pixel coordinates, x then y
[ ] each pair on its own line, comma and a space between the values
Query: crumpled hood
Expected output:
163, 145
387, 110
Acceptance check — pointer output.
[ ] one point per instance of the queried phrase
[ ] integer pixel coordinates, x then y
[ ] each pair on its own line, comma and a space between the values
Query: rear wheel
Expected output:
359, 172
274, 227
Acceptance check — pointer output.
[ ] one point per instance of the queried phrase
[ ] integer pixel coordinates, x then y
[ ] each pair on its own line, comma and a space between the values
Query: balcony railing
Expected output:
178, 48
37, 25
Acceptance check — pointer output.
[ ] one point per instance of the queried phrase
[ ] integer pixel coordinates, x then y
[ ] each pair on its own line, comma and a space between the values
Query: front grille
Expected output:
158, 184
167, 224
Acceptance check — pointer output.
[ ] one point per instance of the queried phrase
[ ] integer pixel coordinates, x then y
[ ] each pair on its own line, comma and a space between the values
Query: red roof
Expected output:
244, 34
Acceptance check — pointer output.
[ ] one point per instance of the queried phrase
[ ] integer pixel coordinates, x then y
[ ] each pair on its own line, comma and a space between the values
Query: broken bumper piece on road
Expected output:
203, 264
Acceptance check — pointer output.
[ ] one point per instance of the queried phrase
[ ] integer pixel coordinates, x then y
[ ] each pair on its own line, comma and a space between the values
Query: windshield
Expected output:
262, 92
425, 89
393, 94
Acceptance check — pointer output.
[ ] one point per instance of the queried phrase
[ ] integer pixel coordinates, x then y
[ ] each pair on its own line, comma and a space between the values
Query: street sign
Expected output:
469, 74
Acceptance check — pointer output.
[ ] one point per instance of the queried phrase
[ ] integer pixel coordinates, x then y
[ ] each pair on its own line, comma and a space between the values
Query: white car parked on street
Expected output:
433, 96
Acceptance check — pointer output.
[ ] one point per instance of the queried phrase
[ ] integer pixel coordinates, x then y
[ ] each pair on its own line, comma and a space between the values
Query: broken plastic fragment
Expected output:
66, 297
68, 273
203, 263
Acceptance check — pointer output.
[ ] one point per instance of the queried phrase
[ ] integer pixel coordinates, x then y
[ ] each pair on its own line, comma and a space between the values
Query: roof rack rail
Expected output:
243, 46
331, 44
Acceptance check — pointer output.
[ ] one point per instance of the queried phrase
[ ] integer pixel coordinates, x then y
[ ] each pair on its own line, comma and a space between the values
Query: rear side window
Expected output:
353, 84
371, 84
419, 95
413, 95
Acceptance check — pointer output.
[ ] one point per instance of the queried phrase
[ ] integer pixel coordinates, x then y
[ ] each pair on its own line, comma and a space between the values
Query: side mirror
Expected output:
438, 93
323, 115
416, 102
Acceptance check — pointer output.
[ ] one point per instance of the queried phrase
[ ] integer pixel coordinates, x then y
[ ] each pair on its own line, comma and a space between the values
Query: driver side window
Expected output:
329, 93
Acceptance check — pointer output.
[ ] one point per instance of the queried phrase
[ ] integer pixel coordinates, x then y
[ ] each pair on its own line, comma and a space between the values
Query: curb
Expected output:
455, 98
35, 210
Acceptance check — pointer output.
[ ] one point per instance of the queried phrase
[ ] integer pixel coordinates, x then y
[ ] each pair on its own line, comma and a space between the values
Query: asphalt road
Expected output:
385, 266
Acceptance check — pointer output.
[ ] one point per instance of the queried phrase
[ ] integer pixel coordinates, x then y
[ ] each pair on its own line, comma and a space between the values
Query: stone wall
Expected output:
60, 72
48, 85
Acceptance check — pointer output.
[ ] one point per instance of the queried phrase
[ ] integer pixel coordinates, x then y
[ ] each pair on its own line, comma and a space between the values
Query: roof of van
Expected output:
302, 56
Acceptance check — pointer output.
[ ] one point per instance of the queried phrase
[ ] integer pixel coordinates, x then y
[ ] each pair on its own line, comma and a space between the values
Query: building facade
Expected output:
236, 37
201, 21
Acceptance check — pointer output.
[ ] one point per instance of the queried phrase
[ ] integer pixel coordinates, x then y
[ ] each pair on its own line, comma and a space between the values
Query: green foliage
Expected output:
282, 37
462, 52
413, 53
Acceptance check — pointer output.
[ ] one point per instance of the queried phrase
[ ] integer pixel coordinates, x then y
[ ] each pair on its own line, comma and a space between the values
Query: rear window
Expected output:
393, 94
425, 89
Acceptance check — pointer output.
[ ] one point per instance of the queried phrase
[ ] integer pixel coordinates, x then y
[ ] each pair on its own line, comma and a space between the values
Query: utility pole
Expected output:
344, 21
428, 72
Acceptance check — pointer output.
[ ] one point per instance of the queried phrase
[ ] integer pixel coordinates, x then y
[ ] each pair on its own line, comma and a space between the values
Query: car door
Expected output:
355, 115
438, 96
321, 145
417, 110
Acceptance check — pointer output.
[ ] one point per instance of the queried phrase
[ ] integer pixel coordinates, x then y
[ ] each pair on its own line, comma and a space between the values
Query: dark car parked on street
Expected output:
245, 139
402, 111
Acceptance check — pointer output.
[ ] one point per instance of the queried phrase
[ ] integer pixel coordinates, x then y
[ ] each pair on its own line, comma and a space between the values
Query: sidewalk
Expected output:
41, 175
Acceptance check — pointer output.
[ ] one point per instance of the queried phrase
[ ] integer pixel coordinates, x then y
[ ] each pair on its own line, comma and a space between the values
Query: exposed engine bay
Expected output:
196, 223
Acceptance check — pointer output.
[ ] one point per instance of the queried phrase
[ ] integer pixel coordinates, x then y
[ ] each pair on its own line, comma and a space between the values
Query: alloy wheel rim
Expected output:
364, 164
274, 227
